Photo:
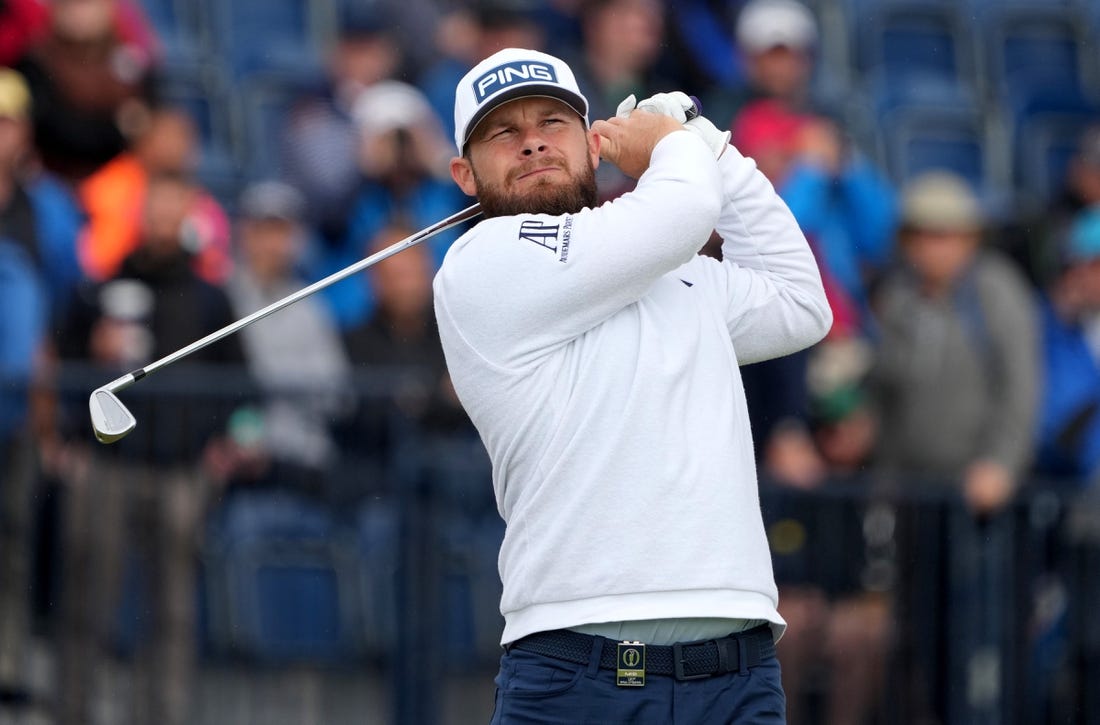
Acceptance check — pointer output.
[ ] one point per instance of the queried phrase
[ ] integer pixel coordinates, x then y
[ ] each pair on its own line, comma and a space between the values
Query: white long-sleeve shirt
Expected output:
597, 353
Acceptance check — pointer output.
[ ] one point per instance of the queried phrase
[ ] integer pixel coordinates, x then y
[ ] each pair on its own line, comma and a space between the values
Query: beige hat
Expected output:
940, 201
15, 96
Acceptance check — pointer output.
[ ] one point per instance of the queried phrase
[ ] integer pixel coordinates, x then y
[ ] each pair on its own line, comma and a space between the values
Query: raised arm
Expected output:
549, 279
775, 302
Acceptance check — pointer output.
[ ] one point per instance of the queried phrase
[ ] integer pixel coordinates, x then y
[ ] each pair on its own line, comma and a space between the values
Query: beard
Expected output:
545, 197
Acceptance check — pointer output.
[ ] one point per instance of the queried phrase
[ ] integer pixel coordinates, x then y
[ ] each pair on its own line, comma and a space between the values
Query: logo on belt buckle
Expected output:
630, 671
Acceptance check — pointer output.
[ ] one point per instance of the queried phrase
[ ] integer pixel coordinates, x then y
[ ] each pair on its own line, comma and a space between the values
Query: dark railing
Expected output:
381, 568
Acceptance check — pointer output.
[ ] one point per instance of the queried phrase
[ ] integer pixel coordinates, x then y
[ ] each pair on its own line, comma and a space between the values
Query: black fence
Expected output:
380, 565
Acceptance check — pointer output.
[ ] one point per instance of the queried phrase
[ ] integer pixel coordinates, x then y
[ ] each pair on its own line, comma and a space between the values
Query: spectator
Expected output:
1083, 174
319, 140
303, 376
773, 49
1069, 420
23, 310
619, 55
469, 35
402, 156
113, 198
38, 273
22, 23
91, 87
37, 212
843, 203
151, 487
837, 606
400, 338
709, 62
956, 375
847, 211
1042, 255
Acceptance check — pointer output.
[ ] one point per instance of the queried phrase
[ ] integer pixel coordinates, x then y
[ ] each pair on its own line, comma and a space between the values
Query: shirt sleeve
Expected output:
768, 279
515, 287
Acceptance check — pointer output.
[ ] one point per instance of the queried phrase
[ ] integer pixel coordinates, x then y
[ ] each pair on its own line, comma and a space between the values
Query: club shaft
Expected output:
132, 377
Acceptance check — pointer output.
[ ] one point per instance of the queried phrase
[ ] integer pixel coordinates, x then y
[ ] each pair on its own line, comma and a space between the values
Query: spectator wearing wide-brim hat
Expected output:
956, 374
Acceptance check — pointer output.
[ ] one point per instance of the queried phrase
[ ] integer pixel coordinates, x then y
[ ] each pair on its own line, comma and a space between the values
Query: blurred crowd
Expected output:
954, 356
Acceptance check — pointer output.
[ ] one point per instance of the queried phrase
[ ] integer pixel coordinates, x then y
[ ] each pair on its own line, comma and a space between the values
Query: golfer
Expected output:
597, 353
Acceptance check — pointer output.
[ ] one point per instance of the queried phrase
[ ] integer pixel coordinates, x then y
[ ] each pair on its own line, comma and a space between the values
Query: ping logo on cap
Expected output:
510, 74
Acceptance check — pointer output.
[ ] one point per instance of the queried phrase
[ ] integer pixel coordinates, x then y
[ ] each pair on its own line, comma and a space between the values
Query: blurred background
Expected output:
302, 528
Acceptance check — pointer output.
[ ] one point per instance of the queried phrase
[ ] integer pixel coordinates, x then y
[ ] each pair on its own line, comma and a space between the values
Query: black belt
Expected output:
684, 661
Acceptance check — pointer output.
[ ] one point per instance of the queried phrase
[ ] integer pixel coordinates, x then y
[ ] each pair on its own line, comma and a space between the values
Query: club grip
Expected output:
696, 108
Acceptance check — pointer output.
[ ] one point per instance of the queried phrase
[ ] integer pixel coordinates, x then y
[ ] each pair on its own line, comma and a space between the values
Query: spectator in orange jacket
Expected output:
114, 195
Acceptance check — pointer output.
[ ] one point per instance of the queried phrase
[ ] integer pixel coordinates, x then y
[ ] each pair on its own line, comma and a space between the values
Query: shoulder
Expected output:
507, 237
998, 276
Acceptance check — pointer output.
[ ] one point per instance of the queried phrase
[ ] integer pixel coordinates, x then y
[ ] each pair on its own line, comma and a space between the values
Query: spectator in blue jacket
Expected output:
1069, 420
844, 204
37, 211
402, 158
38, 271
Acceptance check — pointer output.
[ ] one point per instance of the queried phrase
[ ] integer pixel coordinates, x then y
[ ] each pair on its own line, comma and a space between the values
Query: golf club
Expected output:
111, 420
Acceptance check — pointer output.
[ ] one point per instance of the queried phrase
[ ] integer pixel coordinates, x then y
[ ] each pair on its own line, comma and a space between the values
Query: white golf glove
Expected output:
677, 104
627, 105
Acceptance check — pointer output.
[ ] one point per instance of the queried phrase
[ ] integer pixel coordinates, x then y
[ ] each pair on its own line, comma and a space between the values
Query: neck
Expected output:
7, 189
407, 325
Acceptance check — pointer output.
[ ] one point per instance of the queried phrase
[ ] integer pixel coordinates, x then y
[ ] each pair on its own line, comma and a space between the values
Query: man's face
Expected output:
940, 257
781, 72
167, 204
1081, 283
532, 155
270, 246
14, 141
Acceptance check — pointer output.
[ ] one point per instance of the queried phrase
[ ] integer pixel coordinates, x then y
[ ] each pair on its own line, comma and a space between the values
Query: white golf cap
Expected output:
507, 75
766, 24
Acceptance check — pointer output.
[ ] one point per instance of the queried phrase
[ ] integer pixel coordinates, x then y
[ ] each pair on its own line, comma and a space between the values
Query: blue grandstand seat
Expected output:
265, 103
466, 535
180, 30
920, 139
1032, 46
378, 566
1045, 125
281, 581
943, 144
925, 122
261, 36
898, 39
469, 603
207, 100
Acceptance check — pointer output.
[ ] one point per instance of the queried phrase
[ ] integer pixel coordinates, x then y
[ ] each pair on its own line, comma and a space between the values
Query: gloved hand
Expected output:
684, 109
675, 104
716, 139
627, 105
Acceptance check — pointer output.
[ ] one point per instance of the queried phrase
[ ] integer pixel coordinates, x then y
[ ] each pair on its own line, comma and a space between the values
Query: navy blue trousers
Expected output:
537, 690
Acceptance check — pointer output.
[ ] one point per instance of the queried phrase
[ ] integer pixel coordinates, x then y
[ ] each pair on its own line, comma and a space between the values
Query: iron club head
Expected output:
110, 418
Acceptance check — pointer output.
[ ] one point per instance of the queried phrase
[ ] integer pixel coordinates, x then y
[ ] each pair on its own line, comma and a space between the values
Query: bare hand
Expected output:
628, 142
819, 143
987, 487
793, 460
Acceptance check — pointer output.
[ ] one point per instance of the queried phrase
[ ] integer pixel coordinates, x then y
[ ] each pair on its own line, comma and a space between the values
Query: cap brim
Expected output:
530, 90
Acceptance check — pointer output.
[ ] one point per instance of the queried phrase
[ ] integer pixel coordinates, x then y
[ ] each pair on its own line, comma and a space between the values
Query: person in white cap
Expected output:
597, 354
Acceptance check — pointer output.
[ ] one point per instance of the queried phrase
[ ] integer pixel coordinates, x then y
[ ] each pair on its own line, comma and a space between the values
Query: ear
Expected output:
463, 174
594, 148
